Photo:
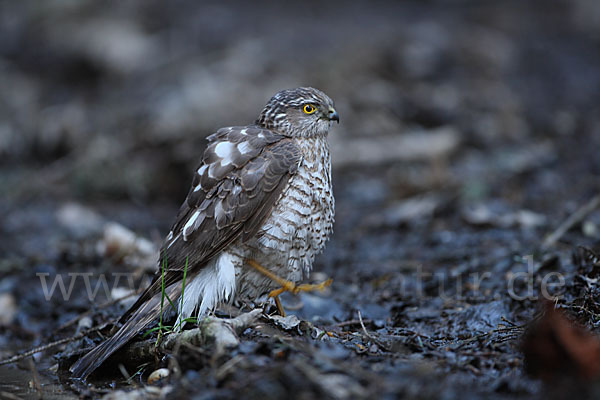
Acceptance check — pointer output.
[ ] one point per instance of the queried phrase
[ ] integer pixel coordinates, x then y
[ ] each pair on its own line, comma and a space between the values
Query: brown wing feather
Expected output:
233, 197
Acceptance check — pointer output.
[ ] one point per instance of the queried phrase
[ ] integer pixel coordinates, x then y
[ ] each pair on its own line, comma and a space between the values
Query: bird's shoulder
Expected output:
242, 152
242, 172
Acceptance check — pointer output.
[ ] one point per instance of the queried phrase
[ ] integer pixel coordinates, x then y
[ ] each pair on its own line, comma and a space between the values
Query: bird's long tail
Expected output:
138, 319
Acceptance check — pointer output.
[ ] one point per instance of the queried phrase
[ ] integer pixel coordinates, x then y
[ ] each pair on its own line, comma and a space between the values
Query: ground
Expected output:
469, 133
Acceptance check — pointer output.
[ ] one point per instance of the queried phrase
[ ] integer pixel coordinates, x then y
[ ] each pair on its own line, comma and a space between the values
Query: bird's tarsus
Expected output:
286, 286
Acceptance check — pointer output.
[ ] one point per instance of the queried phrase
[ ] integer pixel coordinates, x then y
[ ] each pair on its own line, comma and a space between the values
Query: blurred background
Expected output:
469, 130
114, 100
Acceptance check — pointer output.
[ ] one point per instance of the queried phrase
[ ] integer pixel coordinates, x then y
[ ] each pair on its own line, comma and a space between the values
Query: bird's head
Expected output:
300, 112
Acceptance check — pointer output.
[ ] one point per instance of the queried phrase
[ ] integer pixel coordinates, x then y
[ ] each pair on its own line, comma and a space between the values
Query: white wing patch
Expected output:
244, 147
224, 151
202, 169
192, 223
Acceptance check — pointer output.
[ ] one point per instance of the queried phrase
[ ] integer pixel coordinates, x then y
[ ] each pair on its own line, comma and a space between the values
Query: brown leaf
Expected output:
556, 346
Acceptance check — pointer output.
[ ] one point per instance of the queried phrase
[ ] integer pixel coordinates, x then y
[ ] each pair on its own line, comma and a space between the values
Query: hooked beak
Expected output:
333, 115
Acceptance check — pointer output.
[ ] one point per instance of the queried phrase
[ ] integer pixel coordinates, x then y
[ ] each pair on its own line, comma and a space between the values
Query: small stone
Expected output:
590, 229
79, 220
125, 294
287, 323
8, 305
85, 323
120, 243
157, 375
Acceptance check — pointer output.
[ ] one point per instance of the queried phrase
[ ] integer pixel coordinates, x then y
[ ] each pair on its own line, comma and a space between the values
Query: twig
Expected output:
125, 373
511, 329
229, 366
362, 324
573, 219
9, 396
503, 318
98, 308
351, 322
45, 347
35, 378
375, 340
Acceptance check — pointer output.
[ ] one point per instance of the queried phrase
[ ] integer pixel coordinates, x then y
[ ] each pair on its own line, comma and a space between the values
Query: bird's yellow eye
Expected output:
309, 109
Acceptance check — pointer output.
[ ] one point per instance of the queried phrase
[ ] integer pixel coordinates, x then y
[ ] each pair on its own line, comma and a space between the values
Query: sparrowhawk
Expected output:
260, 209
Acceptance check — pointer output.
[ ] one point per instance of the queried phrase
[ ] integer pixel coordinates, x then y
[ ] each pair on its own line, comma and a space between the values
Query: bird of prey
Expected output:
260, 209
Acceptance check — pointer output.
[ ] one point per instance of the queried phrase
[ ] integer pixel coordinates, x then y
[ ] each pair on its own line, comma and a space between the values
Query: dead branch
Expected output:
220, 332
573, 219
48, 346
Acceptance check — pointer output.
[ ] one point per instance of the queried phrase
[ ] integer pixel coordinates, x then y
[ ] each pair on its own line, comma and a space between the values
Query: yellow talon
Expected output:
295, 289
286, 286
279, 306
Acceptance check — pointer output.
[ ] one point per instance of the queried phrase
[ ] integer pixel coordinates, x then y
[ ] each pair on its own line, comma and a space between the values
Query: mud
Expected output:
469, 132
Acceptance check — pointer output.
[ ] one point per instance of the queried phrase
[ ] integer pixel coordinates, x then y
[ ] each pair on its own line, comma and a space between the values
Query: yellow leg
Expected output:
279, 306
305, 287
286, 286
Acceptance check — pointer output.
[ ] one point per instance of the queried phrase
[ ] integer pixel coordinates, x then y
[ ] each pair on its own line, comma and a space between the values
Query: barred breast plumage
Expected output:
298, 227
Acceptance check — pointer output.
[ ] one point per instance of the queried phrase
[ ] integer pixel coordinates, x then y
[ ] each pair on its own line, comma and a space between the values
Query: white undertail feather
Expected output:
213, 285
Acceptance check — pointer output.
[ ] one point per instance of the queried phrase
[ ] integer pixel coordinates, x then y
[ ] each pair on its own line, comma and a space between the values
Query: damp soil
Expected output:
438, 259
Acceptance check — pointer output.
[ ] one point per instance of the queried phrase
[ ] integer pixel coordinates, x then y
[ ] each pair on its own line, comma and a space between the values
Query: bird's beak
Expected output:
333, 115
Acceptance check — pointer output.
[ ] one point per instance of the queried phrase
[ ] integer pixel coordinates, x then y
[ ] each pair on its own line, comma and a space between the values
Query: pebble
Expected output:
157, 375
8, 305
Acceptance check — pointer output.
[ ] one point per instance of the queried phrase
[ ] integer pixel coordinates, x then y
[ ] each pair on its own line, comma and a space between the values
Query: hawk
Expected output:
260, 209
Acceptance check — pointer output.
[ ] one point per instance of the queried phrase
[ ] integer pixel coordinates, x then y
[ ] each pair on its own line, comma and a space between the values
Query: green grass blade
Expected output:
185, 268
